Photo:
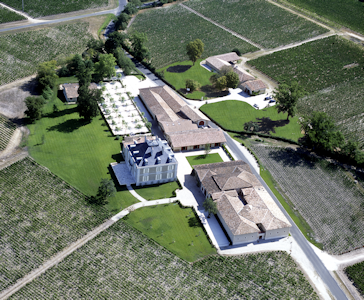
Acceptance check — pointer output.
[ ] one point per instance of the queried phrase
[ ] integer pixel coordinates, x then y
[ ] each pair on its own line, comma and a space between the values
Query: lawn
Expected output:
157, 191
77, 151
260, 21
356, 274
21, 52
7, 129
40, 8
175, 228
123, 263
204, 159
169, 30
7, 15
316, 65
323, 194
233, 114
343, 12
40, 215
177, 74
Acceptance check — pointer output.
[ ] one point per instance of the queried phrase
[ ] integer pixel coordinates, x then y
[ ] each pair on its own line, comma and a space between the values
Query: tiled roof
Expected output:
218, 61
255, 85
71, 89
192, 114
196, 137
179, 125
243, 76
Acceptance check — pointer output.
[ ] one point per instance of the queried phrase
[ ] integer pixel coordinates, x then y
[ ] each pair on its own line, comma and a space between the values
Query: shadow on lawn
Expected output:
266, 125
69, 125
211, 92
178, 69
193, 222
61, 113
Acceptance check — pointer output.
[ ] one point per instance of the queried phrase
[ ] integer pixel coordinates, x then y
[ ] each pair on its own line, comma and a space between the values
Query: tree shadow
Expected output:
266, 125
193, 222
179, 69
211, 92
31, 86
293, 158
61, 113
69, 125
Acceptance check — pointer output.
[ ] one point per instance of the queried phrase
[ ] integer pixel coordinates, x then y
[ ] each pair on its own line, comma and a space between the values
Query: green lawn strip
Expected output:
233, 114
39, 8
170, 29
260, 21
175, 228
157, 191
7, 15
204, 159
283, 199
195, 72
108, 19
345, 13
356, 274
316, 65
78, 152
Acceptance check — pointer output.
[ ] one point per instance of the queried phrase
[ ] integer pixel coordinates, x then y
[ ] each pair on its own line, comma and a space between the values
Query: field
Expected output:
7, 129
39, 8
9, 16
233, 114
79, 152
20, 53
258, 20
175, 228
325, 196
170, 29
122, 263
203, 159
356, 274
316, 65
157, 191
346, 13
40, 215
344, 103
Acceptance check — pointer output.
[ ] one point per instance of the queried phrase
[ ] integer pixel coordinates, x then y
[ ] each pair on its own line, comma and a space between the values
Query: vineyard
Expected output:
122, 263
20, 53
344, 103
356, 274
258, 20
9, 16
7, 129
40, 8
323, 194
346, 13
40, 215
316, 65
170, 29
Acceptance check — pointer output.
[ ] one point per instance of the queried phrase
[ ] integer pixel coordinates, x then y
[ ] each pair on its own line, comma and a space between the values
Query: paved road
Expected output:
296, 233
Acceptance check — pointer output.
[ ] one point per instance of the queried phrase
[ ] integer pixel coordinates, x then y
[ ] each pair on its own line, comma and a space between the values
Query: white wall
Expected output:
276, 233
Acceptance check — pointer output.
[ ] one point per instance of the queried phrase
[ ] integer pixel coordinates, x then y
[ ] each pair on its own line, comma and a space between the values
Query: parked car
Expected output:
272, 101
268, 98
256, 106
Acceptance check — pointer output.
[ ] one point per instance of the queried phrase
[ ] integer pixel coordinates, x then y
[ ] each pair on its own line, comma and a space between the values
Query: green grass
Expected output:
316, 65
108, 19
175, 228
22, 52
78, 152
7, 15
158, 191
170, 29
196, 72
39, 8
233, 114
204, 159
40, 215
356, 274
343, 12
258, 20
123, 263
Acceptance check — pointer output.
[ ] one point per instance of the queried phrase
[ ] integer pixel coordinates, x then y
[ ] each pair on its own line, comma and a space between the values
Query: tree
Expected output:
321, 132
207, 149
251, 126
132, 7
46, 74
115, 40
210, 206
286, 98
34, 107
106, 190
105, 67
87, 102
138, 41
194, 50
193, 85
221, 83
124, 62
232, 80
82, 69
47, 93
122, 21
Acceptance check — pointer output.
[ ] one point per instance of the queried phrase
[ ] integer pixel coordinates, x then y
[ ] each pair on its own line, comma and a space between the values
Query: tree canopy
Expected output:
192, 85
287, 97
46, 74
124, 62
34, 107
195, 49
225, 78
140, 51
210, 206
115, 40
105, 67
87, 102
106, 189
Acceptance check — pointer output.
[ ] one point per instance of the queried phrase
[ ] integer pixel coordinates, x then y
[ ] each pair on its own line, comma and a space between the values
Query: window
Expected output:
146, 170
158, 176
145, 178
196, 147
170, 167
169, 175
159, 169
